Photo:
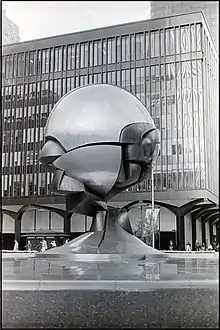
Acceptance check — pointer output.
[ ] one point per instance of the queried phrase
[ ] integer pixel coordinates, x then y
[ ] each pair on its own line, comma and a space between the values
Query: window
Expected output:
111, 77
125, 79
45, 61
97, 53
118, 77
38, 62
125, 49
90, 54
58, 59
57, 89
169, 42
185, 39
19, 136
83, 55
193, 37
111, 51
177, 41
103, 51
157, 122
132, 81
70, 84
70, 57
118, 50
198, 37
3, 66
132, 53
83, 80
51, 59
139, 38
31, 157
6, 137
90, 79
104, 78
76, 82
173, 149
20, 72
162, 43
154, 41
139, 80
147, 44
64, 58
179, 148
77, 57
9, 66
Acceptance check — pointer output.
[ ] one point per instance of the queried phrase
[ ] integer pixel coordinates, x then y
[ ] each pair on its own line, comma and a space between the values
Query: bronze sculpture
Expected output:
99, 141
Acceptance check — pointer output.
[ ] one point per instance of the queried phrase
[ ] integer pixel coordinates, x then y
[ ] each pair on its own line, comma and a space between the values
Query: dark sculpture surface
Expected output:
99, 141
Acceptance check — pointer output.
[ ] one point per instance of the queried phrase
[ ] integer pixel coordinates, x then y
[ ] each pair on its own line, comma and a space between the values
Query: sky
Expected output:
39, 19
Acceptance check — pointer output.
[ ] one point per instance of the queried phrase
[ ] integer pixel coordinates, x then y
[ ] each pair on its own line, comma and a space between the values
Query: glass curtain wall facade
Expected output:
209, 8
170, 69
211, 113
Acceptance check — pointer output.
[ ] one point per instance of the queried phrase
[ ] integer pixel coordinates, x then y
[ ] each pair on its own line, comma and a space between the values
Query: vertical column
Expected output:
180, 225
66, 226
210, 233
193, 234
207, 234
217, 234
18, 229
203, 231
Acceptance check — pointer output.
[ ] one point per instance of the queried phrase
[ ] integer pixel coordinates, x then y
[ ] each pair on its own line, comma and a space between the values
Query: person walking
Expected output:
43, 245
171, 245
53, 243
203, 247
197, 245
28, 246
188, 246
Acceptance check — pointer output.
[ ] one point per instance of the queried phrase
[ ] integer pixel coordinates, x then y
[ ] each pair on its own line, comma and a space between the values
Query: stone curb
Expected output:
132, 286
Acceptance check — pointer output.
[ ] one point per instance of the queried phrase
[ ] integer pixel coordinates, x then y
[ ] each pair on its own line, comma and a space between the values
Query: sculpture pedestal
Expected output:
113, 240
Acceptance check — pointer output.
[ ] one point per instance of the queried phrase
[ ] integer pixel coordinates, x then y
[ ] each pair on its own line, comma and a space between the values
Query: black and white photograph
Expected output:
110, 164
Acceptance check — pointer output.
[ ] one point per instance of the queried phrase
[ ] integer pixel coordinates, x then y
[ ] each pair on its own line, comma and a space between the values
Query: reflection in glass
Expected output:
139, 46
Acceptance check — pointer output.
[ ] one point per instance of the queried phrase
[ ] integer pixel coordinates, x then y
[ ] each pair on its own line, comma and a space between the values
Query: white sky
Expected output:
39, 19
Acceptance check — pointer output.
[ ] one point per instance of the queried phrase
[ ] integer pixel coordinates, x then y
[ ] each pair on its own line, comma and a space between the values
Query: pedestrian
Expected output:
43, 245
188, 246
171, 245
203, 247
16, 246
28, 246
197, 245
53, 243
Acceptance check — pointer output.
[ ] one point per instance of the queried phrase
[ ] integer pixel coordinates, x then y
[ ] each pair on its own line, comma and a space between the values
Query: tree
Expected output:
146, 227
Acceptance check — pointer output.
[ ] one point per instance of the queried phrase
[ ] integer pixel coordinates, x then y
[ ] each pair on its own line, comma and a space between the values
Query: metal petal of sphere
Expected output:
94, 114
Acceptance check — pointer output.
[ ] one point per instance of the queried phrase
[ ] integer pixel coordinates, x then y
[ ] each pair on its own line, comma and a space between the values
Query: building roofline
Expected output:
106, 27
206, 25
41, 43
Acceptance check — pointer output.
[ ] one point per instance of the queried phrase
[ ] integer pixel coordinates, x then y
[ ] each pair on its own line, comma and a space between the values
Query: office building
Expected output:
10, 31
171, 65
209, 8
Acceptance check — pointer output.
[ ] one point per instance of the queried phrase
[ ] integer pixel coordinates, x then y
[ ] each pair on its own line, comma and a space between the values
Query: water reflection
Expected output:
148, 270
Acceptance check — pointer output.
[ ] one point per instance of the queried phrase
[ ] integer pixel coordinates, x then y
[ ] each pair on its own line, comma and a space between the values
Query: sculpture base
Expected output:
113, 240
